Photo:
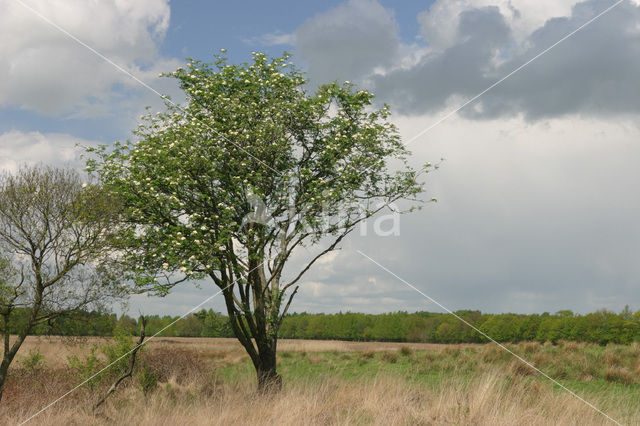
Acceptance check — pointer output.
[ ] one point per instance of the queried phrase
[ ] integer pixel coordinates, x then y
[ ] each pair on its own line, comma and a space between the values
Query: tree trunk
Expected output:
4, 370
269, 380
259, 343
10, 351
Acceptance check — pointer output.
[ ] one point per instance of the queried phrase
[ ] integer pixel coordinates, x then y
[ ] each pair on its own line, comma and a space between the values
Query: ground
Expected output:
211, 381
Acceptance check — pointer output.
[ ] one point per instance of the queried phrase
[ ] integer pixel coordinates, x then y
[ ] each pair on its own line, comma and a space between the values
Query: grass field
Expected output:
211, 381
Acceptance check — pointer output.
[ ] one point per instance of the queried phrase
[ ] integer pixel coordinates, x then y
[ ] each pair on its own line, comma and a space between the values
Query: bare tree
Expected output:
55, 251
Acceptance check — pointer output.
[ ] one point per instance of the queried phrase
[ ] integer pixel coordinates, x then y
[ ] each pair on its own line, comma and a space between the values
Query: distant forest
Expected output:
600, 327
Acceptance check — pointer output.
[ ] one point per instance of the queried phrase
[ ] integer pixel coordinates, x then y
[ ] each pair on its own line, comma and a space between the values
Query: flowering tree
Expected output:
252, 168
56, 253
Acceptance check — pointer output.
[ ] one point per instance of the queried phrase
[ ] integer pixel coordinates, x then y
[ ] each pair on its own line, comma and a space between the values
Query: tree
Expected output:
54, 251
252, 168
214, 324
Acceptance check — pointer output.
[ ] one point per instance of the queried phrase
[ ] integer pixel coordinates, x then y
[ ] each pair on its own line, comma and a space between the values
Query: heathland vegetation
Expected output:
211, 381
601, 327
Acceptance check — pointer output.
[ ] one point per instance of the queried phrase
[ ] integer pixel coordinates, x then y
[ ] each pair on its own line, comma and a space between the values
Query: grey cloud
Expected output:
459, 69
348, 41
593, 72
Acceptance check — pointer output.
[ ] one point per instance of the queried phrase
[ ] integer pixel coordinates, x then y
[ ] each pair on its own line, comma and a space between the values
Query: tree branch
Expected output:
286, 308
132, 363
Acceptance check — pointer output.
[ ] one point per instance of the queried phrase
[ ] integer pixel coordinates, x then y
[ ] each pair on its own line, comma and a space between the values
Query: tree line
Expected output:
599, 327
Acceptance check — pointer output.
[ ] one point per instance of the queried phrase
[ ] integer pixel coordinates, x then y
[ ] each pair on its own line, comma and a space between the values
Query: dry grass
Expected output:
388, 384
488, 400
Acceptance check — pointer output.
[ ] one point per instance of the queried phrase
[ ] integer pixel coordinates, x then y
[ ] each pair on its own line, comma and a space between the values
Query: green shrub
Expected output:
115, 353
87, 367
34, 362
147, 380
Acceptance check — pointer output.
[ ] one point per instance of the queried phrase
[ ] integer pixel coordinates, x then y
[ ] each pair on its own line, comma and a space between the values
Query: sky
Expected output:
537, 193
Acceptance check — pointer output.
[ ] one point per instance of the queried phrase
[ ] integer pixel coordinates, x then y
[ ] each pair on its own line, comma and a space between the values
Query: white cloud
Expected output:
44, 70
348, 41
276, 38
17, 148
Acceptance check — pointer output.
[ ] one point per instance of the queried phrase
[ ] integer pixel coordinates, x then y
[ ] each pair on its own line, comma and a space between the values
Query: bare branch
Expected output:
132, 362
286, 308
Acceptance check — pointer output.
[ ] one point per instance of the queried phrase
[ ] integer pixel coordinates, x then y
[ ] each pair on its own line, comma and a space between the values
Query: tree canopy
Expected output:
251, 168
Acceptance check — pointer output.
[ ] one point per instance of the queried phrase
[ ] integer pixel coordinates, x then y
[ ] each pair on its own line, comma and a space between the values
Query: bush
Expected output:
115, 353
406, 351
619, 375
181, 364
519, 368
147, 380
365, 356
390, 357
117, 350
34, 362
88, 367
